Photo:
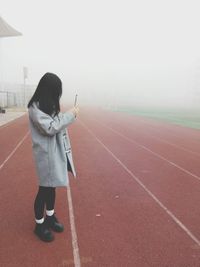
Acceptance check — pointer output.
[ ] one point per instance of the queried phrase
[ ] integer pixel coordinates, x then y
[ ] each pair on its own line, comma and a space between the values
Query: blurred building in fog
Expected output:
13, 95
6, 30
10, 94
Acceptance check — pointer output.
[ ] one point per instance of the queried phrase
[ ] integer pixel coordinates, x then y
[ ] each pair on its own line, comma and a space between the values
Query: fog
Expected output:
112, 53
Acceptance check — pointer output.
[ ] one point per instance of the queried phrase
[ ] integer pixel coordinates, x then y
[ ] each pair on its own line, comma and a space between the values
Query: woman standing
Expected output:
51, 149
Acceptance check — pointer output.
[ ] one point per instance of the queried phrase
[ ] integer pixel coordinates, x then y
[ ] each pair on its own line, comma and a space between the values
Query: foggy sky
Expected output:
120, 51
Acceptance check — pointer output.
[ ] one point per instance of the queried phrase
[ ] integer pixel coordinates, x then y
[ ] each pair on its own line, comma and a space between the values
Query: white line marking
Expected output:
169, 129
6, 124
165, 141
77, 262
142, 121
173, 217
152, 152
169, 143
14, 150
172, 144
11, 121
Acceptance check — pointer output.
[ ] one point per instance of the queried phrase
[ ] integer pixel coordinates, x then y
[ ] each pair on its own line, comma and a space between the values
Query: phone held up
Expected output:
75, 101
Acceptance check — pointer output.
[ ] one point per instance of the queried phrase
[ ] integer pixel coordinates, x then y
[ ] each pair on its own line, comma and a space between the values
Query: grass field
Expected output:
187, 118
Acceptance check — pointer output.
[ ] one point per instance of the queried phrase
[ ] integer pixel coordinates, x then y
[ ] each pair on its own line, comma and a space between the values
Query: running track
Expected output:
135, 202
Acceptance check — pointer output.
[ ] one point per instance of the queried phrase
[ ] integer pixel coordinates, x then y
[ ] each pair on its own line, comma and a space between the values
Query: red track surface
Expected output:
118, 222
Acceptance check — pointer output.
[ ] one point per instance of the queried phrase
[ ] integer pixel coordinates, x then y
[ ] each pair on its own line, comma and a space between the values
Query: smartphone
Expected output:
75, 101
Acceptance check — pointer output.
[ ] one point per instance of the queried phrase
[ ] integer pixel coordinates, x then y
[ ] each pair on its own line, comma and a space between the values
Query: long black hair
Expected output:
48, 93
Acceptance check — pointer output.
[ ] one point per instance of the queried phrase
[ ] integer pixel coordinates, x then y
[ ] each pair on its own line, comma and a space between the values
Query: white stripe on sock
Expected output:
40, 221
49, 212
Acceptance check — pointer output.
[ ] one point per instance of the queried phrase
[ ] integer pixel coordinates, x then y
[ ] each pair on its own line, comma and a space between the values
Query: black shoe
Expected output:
52, 222
42, 231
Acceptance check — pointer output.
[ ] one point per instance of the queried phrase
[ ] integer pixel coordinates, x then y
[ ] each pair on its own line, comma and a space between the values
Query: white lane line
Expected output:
77, 262
165, 141
169, 130
14, 150
7, 124
172, 144
12, 121
171, 215
169, 143
158, 131
150, 151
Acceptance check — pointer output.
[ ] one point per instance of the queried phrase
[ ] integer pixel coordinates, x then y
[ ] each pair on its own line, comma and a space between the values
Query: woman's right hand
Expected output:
74, 110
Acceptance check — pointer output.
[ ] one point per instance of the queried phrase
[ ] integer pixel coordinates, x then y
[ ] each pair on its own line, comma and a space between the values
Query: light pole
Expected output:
25, 72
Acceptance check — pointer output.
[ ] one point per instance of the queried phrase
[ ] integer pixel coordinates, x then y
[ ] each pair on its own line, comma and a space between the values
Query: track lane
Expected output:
171, 185
187, 138
117, 222
130, 231
11, 135
11, 121
18, 181
19, 246
186, 160
173, 156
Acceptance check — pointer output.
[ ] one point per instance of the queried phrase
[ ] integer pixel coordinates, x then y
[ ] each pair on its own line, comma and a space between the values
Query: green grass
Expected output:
187, 118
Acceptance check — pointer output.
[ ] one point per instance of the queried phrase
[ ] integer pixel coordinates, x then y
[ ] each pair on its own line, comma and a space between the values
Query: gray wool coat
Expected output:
51, 146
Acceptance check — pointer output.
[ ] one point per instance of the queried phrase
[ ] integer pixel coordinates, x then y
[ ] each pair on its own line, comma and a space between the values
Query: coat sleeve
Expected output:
48, 125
